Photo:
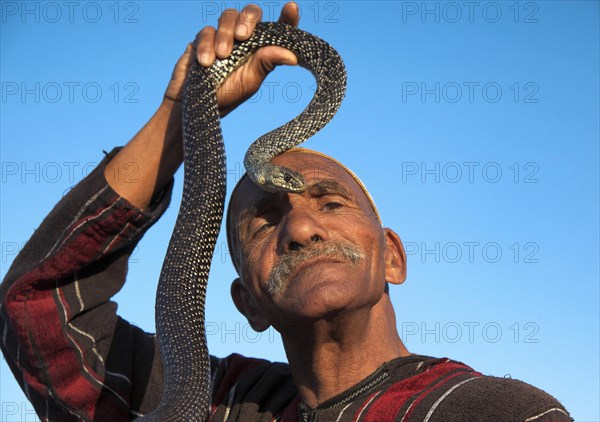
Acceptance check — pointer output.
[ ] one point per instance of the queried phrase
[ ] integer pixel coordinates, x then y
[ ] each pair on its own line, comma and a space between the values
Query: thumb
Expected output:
272, 56
175, 88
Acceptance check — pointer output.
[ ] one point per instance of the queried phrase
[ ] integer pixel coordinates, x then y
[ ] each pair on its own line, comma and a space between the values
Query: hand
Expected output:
211, 43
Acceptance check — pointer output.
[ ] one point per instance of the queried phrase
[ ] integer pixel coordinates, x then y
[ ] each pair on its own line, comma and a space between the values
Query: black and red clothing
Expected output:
75, 359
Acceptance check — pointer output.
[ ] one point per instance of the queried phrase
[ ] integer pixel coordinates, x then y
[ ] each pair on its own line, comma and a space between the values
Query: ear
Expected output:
245, 303
395, 258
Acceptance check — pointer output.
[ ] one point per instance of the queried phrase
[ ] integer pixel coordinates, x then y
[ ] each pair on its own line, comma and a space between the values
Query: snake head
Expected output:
274, 178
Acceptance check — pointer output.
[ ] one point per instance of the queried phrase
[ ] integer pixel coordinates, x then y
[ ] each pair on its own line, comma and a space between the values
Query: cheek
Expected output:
258, 261
373, 243
359, 229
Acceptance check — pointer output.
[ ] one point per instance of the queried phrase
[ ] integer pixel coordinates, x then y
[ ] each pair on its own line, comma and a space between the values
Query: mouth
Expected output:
314, 261
277, 285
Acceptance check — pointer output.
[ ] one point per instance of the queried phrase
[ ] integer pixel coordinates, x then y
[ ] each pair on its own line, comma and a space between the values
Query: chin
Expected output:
321, 291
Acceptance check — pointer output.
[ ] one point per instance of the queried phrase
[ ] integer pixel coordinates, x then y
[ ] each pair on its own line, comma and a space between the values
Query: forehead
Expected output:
313, 167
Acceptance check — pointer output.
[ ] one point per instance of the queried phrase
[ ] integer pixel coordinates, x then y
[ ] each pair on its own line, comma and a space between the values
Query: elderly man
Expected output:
316, 266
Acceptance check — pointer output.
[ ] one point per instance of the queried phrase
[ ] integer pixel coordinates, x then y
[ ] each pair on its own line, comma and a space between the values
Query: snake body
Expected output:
182, 285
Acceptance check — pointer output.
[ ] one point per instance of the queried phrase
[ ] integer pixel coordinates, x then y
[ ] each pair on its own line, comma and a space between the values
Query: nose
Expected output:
301, 228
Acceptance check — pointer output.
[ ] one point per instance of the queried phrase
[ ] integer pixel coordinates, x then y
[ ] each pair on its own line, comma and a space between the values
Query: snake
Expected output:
181, 291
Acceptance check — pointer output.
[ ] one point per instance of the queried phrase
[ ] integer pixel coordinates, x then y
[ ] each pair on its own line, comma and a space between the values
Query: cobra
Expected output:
181, 291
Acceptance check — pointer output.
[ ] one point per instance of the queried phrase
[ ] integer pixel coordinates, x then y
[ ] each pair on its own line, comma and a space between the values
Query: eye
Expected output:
261, 228
332, 205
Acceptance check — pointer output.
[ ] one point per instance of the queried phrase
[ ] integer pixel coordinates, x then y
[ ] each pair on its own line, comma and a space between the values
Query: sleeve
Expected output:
74, 358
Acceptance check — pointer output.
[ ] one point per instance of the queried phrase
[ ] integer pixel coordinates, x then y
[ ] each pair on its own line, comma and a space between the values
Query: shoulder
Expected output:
244, 387
432, 389
500, 399
235, 367
506, 399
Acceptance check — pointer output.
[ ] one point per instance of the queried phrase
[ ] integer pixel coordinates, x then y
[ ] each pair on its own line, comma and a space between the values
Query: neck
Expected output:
328, 357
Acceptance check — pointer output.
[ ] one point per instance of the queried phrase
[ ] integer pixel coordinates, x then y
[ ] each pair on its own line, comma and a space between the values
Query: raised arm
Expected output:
74, 358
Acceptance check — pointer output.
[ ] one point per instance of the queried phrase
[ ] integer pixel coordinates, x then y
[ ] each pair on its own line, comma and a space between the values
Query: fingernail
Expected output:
222, 47
204, 59
241, 30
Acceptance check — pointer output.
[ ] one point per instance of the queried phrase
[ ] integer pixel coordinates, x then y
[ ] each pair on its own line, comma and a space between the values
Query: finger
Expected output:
205, 46
186, 58
247, 20
224, 36
184, 62
290, 14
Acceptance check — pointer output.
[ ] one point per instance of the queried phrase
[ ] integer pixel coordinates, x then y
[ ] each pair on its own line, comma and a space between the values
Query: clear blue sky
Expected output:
474, 126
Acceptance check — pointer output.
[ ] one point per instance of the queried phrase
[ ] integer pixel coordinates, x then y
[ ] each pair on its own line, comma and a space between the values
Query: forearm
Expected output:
150, 159
55, 303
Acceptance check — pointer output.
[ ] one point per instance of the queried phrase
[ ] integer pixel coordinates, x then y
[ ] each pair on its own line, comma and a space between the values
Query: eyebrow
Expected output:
330, 187
322, 187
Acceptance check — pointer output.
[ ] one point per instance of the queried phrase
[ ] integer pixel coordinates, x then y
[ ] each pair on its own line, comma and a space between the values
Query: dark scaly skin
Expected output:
182, 285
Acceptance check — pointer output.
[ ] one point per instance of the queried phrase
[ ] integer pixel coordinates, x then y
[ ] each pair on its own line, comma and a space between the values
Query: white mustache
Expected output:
287, 264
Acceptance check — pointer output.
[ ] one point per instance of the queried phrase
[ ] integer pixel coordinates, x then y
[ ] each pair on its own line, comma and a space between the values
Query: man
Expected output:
315, 266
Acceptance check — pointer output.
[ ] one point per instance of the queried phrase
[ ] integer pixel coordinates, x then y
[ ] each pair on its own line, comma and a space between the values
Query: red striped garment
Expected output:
75, 359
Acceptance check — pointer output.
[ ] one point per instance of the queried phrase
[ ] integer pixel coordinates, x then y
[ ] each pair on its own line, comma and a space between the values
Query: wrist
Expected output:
168, 117
168, 121
169, 104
